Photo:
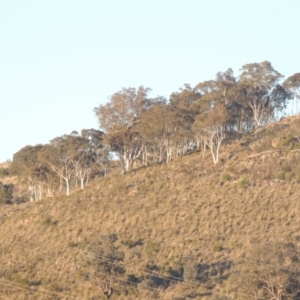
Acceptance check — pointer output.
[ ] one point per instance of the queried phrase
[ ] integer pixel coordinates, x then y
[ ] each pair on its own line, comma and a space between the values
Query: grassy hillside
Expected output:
182, 230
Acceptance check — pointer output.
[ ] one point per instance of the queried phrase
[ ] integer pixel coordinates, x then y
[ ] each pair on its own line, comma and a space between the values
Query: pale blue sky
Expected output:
60, 59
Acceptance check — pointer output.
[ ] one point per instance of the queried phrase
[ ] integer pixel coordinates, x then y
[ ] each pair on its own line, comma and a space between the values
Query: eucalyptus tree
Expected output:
292, 83
167, 133
27, 165
93, 157
59, 155
278, 99
227, 92
257, 82
185, 98
216, 96
211, 127
225, 84
187, 104
119, 117
80, 158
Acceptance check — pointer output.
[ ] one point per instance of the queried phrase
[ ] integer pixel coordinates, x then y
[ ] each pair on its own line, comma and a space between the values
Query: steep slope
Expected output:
175, 231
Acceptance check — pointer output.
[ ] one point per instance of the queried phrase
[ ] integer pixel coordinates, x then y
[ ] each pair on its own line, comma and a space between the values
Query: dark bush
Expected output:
6, 193
4, 172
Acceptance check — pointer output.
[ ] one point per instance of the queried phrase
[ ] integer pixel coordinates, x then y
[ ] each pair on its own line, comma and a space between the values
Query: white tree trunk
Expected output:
67, 186
213, 140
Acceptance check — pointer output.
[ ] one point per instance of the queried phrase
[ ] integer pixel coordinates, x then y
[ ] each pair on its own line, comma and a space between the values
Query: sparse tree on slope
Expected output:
257, 82
27, 165
59, 155
211, 126
293, 84
97, 155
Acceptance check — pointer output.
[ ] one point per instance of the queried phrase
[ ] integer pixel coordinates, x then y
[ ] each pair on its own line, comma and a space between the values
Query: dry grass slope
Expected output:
174, 231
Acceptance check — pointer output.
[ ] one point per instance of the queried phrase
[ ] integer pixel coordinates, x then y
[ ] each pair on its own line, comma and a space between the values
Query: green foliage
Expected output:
242, 183
283, 175
280, 175
235, 244
226, 177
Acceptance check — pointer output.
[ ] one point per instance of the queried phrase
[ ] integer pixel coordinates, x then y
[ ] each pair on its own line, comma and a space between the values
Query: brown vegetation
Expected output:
181, 230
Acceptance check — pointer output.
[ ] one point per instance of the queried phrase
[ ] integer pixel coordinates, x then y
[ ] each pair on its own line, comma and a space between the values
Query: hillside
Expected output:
181, 230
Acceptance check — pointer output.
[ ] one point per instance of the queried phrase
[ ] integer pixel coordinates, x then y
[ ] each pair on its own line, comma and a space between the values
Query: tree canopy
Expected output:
140, 130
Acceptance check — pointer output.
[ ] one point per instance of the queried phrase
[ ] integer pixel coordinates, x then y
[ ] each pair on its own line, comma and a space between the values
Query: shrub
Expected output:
286, 168
20, 199
235, 245
151, 249
226, 177
242, 183
190, 269
47, 220
132, 278
23, 280
54, 287
217, 248
4, 172
132, 243
72, 244
6, 193
289, 176
280, 175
